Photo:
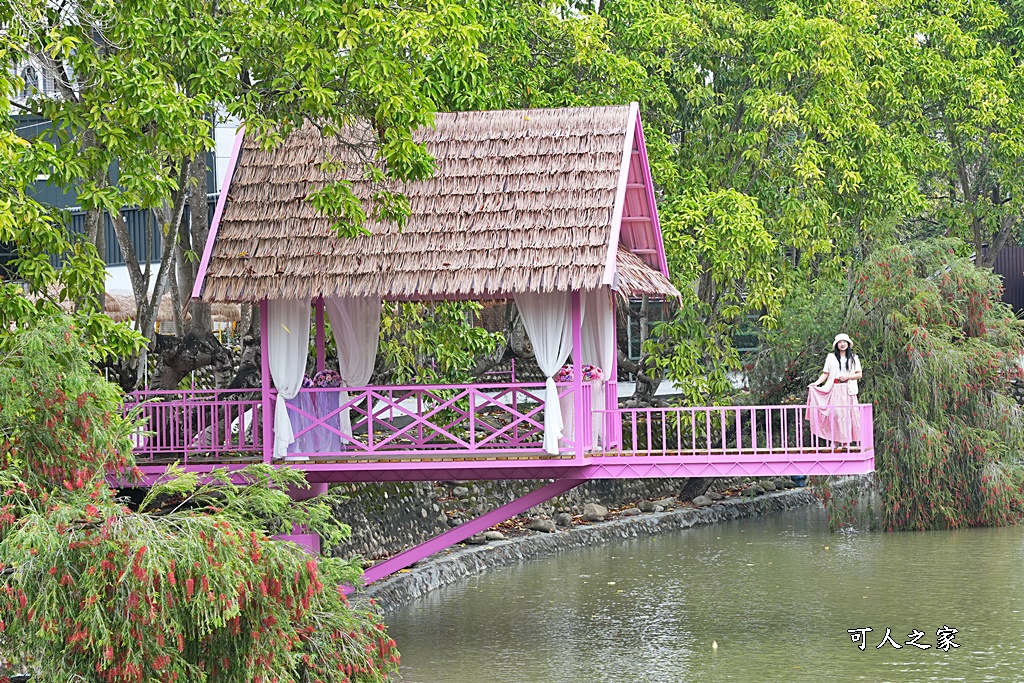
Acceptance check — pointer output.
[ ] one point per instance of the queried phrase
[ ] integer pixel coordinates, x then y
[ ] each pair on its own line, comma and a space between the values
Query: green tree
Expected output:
140, 83
939, 351
961, 107
189, 586
943, 347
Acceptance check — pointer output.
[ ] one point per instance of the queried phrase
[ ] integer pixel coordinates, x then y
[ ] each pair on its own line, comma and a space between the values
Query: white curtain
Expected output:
289, 347
598, 341
548, 322
598, 348
355, 323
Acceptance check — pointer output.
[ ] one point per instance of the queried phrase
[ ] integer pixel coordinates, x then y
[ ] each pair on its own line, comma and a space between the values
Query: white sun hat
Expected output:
842, 337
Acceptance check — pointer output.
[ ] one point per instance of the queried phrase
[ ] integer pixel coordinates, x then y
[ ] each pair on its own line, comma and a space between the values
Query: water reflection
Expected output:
777, 595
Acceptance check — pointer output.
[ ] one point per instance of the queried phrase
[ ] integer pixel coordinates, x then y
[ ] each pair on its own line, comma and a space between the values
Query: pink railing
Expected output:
399, 421
213, 422
417, 421
711, 430
467, 421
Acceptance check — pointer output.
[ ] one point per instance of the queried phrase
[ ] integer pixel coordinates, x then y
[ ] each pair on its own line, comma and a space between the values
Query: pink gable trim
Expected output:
197, 289
635, 205
620, 194
652, 205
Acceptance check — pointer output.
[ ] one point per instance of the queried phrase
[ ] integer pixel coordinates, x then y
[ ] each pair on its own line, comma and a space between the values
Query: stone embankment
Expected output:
388, 518
593, 525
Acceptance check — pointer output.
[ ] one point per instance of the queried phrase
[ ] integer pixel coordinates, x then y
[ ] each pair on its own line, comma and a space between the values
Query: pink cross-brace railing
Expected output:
414, 421
394, 422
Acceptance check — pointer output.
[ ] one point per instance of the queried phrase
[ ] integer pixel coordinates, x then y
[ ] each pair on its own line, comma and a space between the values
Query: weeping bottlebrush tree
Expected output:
939, 351
188, 586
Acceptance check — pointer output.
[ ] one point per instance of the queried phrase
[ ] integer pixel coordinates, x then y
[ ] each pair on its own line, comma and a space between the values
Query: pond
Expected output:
769, 599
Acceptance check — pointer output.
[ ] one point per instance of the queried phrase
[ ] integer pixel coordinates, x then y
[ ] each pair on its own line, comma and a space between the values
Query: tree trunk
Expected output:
693, 487
199, 230
178, 356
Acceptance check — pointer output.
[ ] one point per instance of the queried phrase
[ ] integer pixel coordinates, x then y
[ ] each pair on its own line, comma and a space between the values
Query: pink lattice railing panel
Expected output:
721, 430
218, 423
420, 421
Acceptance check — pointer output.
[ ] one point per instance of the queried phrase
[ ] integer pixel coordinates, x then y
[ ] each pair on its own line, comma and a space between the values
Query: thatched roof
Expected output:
120, 306
637, 278
520, 201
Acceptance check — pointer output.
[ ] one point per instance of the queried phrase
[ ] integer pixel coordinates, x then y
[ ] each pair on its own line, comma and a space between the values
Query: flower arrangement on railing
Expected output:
325, 379
590, 373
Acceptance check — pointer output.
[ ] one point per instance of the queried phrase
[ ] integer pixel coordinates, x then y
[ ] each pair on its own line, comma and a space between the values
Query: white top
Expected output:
834, 368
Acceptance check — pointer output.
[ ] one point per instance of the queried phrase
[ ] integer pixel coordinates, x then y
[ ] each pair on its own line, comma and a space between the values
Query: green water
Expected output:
777, 594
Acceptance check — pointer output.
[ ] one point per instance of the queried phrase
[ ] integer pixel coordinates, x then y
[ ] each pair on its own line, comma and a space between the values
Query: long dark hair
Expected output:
849, 355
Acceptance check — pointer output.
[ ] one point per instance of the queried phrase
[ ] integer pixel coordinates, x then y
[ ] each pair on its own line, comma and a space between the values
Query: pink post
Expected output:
320, 345
867, 428
268, 408
300, 535
580, 423
613, 418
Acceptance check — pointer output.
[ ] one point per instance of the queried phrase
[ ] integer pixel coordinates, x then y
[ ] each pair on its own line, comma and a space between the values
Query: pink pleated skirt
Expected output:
832, 413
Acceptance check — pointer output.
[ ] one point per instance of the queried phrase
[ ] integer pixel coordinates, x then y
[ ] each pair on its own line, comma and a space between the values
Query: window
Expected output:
31, 78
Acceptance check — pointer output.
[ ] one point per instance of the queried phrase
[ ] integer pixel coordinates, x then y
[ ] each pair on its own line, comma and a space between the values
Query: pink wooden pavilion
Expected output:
554, 209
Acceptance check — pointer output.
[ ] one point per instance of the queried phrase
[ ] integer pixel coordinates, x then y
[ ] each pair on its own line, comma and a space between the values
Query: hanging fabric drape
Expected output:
548, 322
598, 341
355, 323
598, 348
289, 347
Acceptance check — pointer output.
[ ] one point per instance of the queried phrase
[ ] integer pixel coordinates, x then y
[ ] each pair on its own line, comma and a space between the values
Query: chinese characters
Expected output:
944, 639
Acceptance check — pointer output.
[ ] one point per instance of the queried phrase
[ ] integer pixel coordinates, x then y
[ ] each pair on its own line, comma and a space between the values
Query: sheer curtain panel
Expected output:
355, 323
289, 347
547, 318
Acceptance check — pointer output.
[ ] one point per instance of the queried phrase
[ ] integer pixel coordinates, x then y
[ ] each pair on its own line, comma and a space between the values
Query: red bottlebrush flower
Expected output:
189, 587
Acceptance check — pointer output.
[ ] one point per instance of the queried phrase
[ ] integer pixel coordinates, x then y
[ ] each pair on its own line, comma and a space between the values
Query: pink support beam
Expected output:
580, 422
204, 263
308, 542
613, 421
464, 531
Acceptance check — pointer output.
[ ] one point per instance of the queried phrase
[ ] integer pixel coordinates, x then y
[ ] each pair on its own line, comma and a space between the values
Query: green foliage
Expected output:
188, 587
961, 105
57, 421
939, 350
433, 343
791, 354
141, 82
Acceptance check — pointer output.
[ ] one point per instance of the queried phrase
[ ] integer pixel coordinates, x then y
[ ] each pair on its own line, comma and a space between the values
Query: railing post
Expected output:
268, 411
867, 427
613, 418
579, 419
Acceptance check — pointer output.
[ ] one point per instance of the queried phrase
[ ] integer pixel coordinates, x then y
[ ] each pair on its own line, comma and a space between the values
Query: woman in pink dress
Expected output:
831, 399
